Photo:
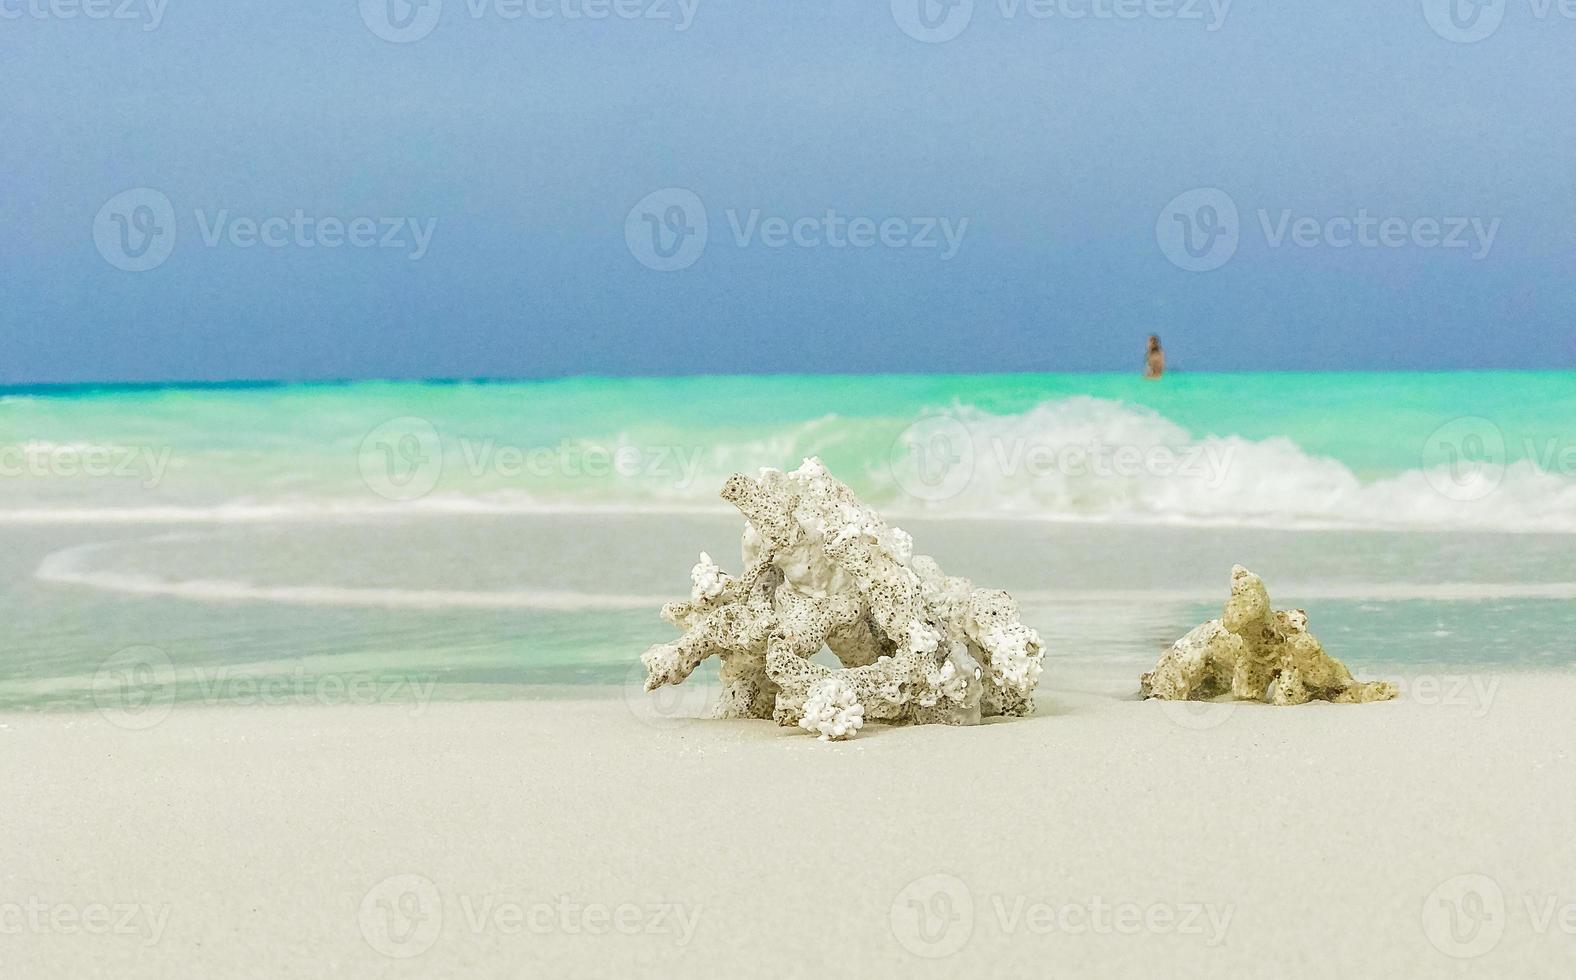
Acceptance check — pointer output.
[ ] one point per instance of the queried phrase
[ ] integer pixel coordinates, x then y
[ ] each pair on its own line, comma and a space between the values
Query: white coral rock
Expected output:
661, 661
707, 580
922, 639
947, 683
832, 710
822, 571
900, 544
1014, 656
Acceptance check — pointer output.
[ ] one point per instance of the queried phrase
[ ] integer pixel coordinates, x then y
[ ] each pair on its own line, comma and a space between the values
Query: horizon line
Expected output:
241, 384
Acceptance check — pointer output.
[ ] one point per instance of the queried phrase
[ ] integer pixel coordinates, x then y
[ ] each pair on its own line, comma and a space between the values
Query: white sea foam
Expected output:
1089, 460
1074, 460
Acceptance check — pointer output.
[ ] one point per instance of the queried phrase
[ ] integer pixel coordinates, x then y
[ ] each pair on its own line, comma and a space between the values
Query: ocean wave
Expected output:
1086, 459
1074, 460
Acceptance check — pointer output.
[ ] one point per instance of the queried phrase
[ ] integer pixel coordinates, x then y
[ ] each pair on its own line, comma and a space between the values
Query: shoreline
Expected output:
221, 688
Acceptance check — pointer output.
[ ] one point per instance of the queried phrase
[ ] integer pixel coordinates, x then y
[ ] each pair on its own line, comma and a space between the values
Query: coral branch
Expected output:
823, 570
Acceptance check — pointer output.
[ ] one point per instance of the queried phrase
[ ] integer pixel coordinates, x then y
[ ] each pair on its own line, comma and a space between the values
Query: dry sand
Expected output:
1105, 837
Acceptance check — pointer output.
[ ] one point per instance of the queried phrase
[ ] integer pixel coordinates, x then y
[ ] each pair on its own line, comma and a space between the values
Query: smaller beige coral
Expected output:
1255, 653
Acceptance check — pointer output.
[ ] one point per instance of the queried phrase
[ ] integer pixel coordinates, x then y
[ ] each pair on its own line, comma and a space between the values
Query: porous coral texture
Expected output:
823, 570
1255, 653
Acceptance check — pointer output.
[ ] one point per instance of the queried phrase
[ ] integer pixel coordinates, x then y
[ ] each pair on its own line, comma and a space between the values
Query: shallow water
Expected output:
1435, 451
507, 606
296, 544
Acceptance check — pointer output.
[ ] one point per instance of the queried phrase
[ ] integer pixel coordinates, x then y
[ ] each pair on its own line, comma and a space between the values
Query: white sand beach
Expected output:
391, 390
594, 837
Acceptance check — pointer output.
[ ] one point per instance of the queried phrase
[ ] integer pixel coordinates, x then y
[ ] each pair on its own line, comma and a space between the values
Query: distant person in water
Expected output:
1155, 359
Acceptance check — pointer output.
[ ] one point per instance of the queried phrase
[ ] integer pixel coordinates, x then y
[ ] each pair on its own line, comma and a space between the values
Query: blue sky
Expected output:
510, 165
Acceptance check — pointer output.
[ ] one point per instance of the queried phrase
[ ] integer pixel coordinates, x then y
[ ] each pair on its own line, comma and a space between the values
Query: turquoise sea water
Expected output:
498, 539
1331, 448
